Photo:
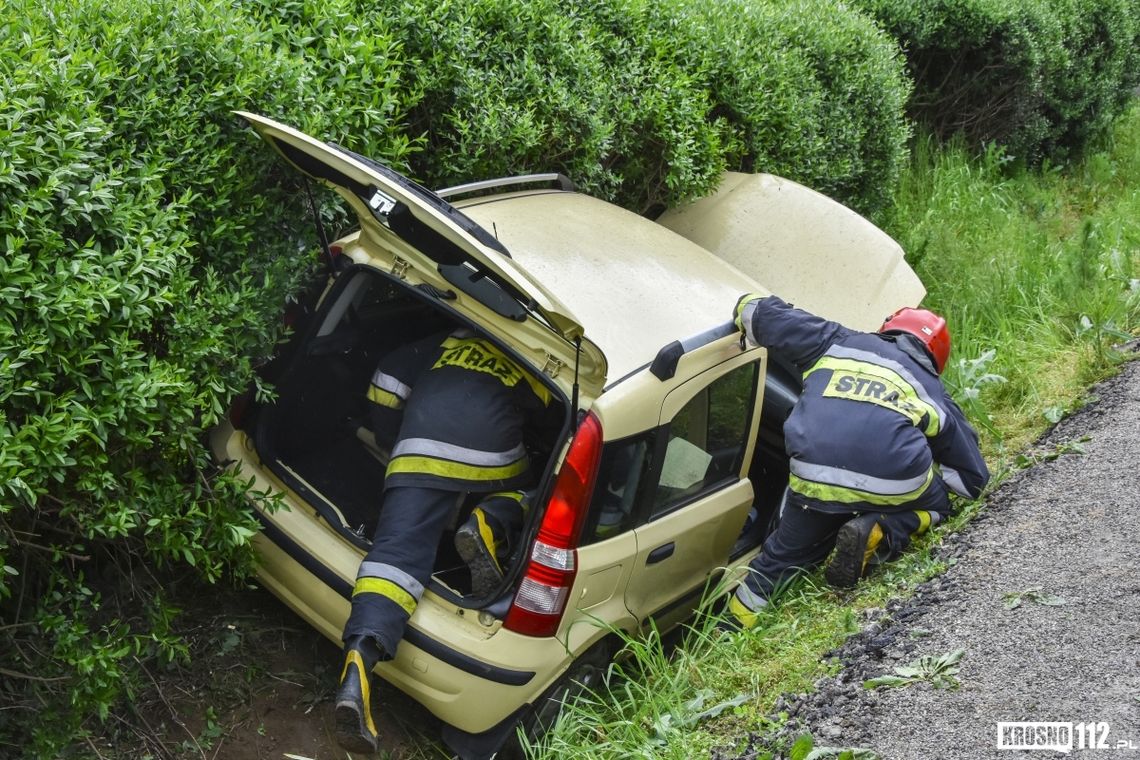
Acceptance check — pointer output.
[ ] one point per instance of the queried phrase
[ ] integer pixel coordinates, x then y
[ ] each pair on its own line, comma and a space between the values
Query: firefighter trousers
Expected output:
392, 577
804, 538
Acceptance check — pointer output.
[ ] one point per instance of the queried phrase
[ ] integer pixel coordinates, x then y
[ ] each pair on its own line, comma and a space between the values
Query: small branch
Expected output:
10, 626
173, 712
205, 483
91, 744
29, 676
146, 739
41, 547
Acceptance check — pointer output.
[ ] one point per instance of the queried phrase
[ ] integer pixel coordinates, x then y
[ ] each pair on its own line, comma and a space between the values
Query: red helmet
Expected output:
926, 326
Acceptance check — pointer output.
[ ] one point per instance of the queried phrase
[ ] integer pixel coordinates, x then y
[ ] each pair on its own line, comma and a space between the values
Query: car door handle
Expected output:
660, 553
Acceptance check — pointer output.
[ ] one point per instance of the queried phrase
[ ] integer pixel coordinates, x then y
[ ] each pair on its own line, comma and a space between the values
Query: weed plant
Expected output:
1037, 272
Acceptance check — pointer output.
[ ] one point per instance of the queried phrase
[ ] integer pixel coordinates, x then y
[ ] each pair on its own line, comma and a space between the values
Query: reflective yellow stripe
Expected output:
743, 615
488, 536
384, 398
516, 496
414, 465
923, 521
874, 538
388, 589
481, 356
870, 383
844, 495
354, 658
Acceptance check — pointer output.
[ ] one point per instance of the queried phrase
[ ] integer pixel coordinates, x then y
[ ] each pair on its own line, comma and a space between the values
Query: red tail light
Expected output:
541, 598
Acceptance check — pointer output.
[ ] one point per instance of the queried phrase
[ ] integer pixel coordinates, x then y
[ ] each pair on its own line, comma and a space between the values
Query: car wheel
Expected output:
585, 674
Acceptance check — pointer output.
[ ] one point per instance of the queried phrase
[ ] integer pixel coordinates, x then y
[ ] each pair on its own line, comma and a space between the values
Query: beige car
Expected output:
668, 455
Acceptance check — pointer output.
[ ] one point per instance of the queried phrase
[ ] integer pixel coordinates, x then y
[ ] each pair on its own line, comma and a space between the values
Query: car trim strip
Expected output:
563, 181
413, 636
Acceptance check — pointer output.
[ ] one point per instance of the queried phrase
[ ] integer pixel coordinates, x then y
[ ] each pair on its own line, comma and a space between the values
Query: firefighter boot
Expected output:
355, 730
743, 608
477, 541
856, 544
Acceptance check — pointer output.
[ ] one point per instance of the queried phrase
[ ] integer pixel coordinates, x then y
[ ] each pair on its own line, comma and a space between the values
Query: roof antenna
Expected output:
320, 227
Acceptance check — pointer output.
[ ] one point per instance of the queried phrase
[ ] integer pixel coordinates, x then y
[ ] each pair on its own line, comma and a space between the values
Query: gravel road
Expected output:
1064, 530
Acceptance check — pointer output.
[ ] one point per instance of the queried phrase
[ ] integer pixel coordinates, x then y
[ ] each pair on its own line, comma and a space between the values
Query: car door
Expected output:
698, 496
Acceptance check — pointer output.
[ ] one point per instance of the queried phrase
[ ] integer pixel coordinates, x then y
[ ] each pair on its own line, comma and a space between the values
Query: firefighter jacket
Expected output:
874, 429
464, 406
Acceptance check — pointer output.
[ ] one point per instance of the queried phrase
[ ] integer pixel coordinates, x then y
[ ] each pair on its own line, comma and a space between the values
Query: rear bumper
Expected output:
471, 675
478, 678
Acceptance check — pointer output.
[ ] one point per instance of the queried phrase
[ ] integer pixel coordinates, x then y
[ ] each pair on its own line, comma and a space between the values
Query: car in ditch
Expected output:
663, 458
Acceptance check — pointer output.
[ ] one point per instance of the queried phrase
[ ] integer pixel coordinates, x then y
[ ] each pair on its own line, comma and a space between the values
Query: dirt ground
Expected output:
1042, 600
259, 687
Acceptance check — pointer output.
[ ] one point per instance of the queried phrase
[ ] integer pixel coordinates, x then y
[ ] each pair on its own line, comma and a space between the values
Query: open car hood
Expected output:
803, 246
467, 255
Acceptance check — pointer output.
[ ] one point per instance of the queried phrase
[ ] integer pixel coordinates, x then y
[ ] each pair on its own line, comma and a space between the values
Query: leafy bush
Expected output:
1040, 77
804, 89
146, 255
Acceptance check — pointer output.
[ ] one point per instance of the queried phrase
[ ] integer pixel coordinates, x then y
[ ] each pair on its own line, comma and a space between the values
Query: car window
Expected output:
621, 472
706, 440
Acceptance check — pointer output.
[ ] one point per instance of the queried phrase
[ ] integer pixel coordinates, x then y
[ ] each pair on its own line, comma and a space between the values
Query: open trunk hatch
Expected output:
443, 241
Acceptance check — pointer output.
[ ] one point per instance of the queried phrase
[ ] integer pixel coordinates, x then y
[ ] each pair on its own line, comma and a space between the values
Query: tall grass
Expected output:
1039, 267
1038, 273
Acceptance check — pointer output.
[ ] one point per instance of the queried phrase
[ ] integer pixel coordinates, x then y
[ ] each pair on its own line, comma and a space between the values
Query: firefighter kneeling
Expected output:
874, 445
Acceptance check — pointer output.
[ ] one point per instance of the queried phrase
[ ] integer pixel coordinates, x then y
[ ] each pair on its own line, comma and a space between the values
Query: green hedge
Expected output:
145, 250
1039, 77
150, 240
641, 103
806, 89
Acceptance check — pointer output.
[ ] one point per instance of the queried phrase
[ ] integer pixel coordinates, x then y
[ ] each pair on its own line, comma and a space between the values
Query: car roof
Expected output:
635, 285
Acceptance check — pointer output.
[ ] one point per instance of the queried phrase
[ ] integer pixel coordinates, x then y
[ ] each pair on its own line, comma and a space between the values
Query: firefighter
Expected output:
459, 405
875, 445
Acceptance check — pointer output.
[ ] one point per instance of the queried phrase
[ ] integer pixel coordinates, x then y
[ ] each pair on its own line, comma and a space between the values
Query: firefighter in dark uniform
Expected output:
875, 444
459, 405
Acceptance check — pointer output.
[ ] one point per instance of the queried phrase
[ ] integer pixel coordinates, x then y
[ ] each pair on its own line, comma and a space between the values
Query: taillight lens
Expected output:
541, 597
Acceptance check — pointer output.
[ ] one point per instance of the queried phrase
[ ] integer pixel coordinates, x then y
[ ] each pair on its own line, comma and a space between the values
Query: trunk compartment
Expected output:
316, 436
